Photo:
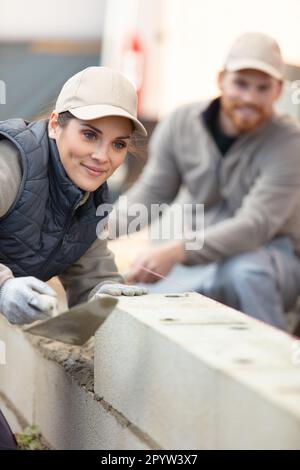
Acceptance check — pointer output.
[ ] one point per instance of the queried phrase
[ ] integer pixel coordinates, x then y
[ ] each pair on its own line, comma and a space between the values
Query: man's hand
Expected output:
22, 300
159, 259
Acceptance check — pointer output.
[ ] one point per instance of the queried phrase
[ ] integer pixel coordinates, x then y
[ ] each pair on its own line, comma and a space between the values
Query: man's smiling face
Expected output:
248, 97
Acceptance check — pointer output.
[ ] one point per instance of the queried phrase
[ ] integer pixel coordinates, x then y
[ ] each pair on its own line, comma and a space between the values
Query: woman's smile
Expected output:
93, 171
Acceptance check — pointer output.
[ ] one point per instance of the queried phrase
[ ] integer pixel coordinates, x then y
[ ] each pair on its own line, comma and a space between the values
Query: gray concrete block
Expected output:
168, 363
17, 376
71, 418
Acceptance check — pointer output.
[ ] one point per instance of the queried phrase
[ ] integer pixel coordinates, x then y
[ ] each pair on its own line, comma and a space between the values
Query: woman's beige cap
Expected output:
256, 51
97, 92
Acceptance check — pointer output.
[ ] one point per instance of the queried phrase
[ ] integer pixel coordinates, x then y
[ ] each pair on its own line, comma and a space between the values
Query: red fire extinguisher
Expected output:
133, 63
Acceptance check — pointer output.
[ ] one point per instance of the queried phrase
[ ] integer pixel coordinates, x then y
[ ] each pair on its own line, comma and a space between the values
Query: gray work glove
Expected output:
120, 289
21, 300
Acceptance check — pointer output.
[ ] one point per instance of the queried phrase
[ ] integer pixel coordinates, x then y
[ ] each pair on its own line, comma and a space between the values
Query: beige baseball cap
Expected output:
97, 92
256, 51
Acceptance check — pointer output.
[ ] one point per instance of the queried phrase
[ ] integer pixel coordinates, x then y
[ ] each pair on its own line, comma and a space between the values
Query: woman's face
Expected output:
90, 151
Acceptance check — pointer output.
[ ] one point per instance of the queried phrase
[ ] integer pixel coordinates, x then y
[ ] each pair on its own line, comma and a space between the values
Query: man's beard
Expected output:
245, 117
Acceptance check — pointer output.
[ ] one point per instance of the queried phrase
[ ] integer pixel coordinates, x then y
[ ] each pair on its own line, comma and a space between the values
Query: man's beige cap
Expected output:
256, 51
97, 92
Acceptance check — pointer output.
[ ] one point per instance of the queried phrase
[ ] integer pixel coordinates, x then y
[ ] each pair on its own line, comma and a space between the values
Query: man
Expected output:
242, 161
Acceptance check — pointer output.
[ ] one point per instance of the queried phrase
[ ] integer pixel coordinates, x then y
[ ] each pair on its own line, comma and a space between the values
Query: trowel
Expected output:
78, 324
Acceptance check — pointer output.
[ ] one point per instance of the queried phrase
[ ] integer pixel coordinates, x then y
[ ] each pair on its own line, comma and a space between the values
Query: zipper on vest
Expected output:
65, 231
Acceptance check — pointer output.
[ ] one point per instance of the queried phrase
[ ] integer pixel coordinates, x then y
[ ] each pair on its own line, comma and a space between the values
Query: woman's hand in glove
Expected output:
120, 289
21, 300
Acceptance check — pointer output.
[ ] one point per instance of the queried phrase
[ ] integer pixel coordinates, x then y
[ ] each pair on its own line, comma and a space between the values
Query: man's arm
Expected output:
264, 211
95, 268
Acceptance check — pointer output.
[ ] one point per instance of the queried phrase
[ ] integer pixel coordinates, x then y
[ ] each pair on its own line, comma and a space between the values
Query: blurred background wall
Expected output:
41, 45
171, 49
68, 19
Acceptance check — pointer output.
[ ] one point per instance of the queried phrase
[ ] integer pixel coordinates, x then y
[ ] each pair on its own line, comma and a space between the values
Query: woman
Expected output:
52, 180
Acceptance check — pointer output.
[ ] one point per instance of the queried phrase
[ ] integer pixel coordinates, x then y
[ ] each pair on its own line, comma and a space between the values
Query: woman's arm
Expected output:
5, 273
95, 268
10, 175
10, 180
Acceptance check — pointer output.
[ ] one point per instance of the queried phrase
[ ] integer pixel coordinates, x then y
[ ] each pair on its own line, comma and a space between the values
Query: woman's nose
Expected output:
101, 154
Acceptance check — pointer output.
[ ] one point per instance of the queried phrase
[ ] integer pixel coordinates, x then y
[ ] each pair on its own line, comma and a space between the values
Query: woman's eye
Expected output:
120, 145
89, 136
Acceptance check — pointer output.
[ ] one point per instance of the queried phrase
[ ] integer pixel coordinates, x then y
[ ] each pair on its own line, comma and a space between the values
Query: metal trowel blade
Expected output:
78, 324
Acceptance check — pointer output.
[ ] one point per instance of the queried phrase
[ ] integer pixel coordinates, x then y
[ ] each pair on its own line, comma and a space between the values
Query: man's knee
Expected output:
235, 275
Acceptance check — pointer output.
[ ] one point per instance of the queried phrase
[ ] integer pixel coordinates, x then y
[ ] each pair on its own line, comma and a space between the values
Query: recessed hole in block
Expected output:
239, 327
174, 295
244, 360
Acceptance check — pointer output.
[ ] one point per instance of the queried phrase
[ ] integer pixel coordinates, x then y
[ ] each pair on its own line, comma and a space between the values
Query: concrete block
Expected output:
70, 417
17, 376
15, 422
171, 363
260, 411
39, 383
